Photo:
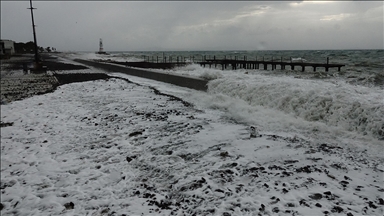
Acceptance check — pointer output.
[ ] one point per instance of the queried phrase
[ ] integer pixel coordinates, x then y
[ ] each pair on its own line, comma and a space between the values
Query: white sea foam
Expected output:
298, 59
178, 155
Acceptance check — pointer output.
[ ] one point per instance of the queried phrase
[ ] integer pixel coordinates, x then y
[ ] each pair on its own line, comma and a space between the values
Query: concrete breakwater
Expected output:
189, 82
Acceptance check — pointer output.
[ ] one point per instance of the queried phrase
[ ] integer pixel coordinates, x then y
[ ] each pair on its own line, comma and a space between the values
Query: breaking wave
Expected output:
353, 108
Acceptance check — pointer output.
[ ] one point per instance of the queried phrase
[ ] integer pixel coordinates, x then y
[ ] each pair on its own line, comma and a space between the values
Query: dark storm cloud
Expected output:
127, 25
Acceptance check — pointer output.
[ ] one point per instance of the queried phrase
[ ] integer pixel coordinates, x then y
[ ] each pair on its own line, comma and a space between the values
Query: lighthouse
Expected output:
101, 49
101, 46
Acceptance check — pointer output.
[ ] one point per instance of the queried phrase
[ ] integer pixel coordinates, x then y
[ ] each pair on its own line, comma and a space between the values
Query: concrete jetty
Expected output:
189, 82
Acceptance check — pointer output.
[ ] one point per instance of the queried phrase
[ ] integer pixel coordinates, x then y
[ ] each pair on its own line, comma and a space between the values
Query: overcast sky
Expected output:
192, 25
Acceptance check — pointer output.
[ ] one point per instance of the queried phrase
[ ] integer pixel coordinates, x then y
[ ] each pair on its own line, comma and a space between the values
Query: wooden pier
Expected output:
262, 64
234, 64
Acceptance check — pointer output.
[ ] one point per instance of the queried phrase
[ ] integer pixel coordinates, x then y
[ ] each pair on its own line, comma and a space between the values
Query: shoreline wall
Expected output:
193, 83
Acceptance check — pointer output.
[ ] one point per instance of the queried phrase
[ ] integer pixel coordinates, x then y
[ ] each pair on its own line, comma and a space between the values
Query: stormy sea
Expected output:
350, 99
257, 142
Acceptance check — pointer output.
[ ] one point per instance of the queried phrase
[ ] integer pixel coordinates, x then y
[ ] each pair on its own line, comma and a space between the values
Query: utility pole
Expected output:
37, 60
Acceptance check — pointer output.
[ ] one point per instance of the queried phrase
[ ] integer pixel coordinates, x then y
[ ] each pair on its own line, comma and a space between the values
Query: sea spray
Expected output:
354, 108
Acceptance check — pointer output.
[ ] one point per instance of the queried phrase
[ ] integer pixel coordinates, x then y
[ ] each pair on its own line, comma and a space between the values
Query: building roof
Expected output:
7, 40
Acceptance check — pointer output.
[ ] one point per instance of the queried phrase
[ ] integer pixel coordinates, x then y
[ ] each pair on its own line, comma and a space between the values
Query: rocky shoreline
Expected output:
17, 84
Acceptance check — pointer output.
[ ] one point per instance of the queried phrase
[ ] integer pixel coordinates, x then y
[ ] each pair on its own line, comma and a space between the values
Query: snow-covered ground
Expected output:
118, 148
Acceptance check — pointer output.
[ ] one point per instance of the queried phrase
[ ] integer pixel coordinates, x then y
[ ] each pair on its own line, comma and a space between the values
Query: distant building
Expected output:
7, 47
